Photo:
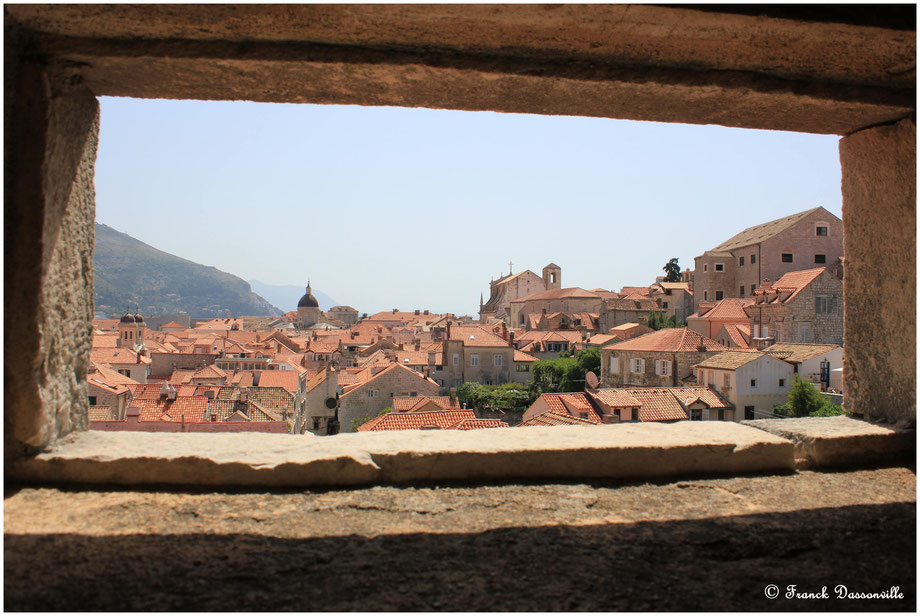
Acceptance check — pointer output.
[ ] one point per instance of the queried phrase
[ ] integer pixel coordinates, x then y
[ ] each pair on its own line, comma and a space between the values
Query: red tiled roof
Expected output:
739, 334
574, 404
549, 418
286, 379
675, 340
477, 424
192, 409
409, 404
172, 325
796, 281
569, 293
476, 336
615, 397
520, 356
416, 421
728, 309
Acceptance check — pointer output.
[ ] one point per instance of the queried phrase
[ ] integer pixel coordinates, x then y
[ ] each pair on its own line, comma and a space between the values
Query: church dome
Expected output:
138, 318
127, 318
308, 301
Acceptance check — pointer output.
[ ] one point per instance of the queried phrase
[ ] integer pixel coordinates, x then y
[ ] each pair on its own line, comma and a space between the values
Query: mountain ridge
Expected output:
129, 272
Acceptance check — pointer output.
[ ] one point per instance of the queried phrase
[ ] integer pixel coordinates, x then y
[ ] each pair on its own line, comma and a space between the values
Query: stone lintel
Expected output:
640, 451
830, 442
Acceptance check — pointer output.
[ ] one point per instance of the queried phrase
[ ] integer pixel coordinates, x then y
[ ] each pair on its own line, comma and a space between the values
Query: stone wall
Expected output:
52, 125
356, 404
880, 214
783, 320
681, 367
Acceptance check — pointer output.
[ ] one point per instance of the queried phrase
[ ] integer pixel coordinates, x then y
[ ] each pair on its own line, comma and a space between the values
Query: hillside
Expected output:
129, 272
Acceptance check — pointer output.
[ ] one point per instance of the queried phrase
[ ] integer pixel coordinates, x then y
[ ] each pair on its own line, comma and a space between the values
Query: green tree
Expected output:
671, 271
804, 399
589, 360
828, 410
658, 320
509, 397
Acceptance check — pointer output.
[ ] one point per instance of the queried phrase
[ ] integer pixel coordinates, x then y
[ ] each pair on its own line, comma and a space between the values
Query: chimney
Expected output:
454, 403
426, 311
171, 392
504, 331
544, 311
448, 330
418, 345
766, 285
417, 312
511, 338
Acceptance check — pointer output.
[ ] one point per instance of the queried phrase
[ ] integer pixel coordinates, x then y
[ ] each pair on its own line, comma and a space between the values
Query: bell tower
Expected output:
552, 277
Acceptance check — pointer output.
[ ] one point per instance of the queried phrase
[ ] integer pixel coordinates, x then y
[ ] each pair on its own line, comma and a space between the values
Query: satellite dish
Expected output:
330, 403
591, 378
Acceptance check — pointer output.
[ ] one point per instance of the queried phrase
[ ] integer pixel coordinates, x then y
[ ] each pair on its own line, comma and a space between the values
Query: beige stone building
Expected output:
567, 301
513, 286
753, 382
345, 314
620, 311
664, 358
804, 306
374, 389
673, 298
475, 354
734, 268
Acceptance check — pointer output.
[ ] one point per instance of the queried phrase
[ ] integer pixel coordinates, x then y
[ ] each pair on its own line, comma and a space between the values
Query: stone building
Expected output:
345, 314
754, 382
620, 311
567, 301
673, 298
368, 396
308, 312
473, 354
131, 331
735, 267
664, 358
804, 306
513, 286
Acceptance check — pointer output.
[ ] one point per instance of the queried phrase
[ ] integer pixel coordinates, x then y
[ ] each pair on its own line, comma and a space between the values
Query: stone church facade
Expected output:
513, 286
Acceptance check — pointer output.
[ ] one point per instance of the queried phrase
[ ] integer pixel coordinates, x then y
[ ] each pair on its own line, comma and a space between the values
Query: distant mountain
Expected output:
129, 272
286, 296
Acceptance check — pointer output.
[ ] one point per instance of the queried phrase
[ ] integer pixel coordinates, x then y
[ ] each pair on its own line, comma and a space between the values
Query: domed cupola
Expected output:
308, 301
137, 317
127, 318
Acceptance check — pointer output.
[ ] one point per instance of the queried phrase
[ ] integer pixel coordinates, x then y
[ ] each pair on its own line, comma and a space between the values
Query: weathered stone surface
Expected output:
840, 441
630, 62
467, 548
880, 243
50, 208
614, 451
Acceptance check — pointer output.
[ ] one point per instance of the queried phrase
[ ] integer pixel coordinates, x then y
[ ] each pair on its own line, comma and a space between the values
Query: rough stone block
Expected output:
839, 441
563, 452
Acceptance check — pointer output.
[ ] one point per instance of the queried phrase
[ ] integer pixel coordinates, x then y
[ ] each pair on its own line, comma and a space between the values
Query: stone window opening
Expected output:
15, 202
786, 257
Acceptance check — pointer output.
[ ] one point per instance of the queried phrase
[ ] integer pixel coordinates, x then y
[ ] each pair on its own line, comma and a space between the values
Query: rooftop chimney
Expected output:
766, 285
417, 311
426, 311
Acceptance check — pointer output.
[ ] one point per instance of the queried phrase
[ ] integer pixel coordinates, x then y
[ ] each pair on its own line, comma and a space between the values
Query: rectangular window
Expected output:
742, 291
782, 382
786, 257
753, 382
749, 412
664, 304
720, 267
456, 359
696, 415
92, 400
614, 364
372, 393
726, 381
522, 368
638, 366
474, 359
705, 267
820, 259
753, 259
721, 414
662, 367
497, 360
825, 304
705, 296
125, 372
718, 295
820, 230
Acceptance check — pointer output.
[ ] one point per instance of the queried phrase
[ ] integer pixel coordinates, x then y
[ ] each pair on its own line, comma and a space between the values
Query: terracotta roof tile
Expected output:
550, 418
675, 340
289, 380
798, 352
730, 360
761, 232
569, 293
416, 421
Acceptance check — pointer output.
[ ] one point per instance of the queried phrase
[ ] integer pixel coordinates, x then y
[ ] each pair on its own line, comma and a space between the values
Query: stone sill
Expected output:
628, 451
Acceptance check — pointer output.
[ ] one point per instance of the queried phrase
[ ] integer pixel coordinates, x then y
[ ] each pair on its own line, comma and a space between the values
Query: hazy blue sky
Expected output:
414, 208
